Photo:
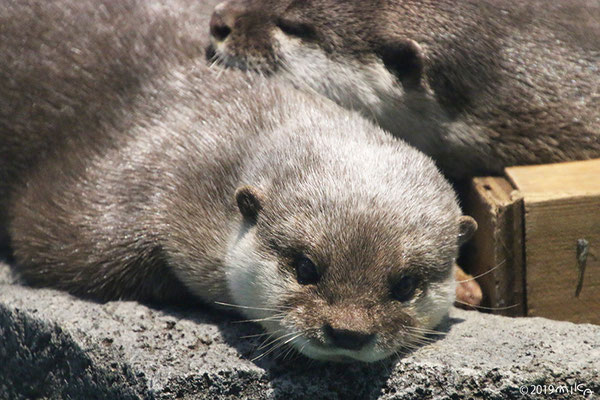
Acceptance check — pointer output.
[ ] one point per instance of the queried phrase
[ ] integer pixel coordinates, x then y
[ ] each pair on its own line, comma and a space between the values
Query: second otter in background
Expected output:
477, 84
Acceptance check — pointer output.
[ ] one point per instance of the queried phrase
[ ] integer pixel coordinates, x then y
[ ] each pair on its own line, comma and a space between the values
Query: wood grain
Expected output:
554, 181
496, 250
562, 206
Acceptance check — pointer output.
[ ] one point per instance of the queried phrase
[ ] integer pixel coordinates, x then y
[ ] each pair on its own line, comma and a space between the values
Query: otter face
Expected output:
341, 49
352, 285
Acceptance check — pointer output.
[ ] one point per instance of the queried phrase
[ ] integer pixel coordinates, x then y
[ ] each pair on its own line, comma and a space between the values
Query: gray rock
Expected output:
53, 345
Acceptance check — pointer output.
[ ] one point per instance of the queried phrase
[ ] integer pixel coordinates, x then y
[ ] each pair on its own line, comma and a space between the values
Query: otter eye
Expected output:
306, 271
405, 288
302, 31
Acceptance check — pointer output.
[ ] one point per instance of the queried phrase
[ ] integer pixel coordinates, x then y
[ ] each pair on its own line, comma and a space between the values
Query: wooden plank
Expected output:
553, 275
553, 181
496, 250
562, 208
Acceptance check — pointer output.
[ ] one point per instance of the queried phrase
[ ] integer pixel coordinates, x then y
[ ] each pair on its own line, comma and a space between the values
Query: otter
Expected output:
132, 170
478, 85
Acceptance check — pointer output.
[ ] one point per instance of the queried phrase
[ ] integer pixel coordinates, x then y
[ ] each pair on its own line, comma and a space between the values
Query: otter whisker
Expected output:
257, 335
489, 308
302, 348
425, 330
297, 335
413, 346
220, 72
290, 350
289, 340
437, 334
417, 338
417, 334
421, 340
277, 339
269, 337
250, 307
484, 273
213, 62
277, 317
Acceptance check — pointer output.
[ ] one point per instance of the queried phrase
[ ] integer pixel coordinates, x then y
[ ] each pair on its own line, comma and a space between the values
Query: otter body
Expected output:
132, 170
477, 84
65, 75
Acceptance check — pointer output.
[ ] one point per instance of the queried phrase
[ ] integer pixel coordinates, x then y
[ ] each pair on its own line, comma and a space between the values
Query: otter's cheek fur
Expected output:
367, 87
432, 308
258, 284
254, 280
360, 86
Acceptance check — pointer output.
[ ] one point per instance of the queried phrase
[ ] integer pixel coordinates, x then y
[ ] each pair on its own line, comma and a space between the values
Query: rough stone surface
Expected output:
53, 345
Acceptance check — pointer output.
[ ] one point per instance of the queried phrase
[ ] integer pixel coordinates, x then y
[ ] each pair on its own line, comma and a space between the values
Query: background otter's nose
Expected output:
218, 28
223, 19
347, 339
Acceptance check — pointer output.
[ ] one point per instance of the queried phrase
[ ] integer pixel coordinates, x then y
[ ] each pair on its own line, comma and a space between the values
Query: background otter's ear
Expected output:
466, 229
249, 201
404, 58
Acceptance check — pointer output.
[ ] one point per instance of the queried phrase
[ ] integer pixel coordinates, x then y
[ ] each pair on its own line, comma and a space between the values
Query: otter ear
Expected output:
404, 58
249, 201
467, 227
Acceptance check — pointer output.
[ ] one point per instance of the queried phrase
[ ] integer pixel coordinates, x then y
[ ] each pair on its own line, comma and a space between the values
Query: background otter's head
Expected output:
344, 49
346, 249
354, 52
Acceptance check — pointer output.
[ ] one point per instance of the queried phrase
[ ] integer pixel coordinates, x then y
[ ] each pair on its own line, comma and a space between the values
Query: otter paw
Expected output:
468, 291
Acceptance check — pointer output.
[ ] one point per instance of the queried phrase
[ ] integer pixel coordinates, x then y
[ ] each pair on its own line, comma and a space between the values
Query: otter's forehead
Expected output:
354, 235
334, 24
337, 24
387, 192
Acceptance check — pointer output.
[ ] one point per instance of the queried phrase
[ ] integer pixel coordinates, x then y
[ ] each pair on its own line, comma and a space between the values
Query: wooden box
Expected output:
538, 242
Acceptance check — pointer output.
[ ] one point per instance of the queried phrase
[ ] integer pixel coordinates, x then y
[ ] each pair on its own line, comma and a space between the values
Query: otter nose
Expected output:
223, 19
347, 339
218, 28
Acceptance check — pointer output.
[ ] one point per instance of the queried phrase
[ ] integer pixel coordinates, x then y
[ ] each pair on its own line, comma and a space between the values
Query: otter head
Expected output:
345, 50
343, 262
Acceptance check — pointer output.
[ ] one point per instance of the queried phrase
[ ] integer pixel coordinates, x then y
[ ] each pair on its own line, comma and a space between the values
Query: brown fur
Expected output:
132, 170
484, 84
72, 92
59, 81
